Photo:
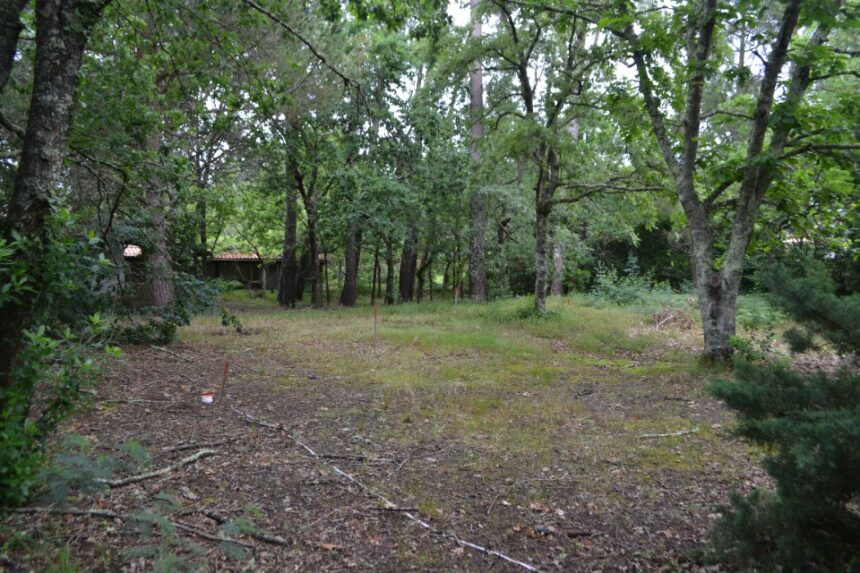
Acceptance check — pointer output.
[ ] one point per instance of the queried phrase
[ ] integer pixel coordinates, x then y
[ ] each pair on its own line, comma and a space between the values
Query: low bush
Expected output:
809, 425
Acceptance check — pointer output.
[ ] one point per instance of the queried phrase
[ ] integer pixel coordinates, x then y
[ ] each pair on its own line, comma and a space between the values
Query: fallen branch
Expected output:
157, 473
220, 520
209, 536
671, 434
106, 514
386, 502
133, 401
191, 446
172, 353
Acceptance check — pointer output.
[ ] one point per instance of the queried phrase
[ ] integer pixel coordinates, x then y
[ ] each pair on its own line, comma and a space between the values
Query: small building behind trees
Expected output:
249, 269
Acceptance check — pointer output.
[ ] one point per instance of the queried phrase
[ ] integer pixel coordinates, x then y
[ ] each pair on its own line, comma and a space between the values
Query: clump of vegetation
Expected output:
628, 288
809, 424
58, 353
229, 319
192, 296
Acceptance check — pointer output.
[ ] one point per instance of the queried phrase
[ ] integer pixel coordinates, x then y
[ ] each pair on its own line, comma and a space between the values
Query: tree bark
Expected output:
426, 260
313, 256
10, 30
303, 273
545, 187
352, 253
389, 270
408, 264
541, 243
374, 277
161, 282
62, 30
557, 288
289, 269
477, 207
202, 250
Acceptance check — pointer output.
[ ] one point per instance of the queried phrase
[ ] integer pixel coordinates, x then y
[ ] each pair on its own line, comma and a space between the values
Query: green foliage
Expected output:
756, 312
192, 296
57, 355
230, 319
72, 469
630, 288
809, 295
809, 424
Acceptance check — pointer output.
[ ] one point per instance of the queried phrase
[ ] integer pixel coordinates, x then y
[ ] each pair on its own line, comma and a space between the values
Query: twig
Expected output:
191, 446
209, 536
157, 473
105, 514
671, 434
386, 502
220, 520
176, 354
134, 401
493, 504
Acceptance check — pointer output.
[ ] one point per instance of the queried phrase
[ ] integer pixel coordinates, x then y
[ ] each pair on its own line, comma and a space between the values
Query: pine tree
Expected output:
809, 425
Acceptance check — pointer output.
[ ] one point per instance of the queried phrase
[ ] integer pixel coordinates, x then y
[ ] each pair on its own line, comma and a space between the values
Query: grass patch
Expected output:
490, 376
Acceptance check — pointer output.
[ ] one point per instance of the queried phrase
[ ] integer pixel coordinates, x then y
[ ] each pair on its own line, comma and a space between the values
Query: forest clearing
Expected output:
580, 443
430, 285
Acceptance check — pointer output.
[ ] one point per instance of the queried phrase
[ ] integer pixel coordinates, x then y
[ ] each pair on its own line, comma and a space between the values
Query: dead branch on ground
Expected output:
158, 473
671, 434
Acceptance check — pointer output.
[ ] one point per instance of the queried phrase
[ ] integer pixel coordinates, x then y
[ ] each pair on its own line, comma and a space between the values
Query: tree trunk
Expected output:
375, 275
62, 30
10, 30
477, 207
287, 289
389, 272
303, 273
557, 288
352, 252
408, 264
545, 187
426, 259
161, 282
324, 264
718, 306
502, 238
314, 259
202, 250
541, 243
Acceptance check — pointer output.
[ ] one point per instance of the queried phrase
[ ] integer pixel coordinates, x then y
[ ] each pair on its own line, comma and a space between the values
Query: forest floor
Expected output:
584, 442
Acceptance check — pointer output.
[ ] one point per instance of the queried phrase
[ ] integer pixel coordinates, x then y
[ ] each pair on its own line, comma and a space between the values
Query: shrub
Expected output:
809, 423
58, 352
631, 288
151, 325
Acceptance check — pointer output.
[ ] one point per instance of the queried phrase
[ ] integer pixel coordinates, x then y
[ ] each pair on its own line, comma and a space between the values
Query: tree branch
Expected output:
11, 127
818, 147
279, 21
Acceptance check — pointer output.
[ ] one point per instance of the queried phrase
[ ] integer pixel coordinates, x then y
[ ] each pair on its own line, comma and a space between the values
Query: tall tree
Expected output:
63, 28
477, 205
10, 30
732, 188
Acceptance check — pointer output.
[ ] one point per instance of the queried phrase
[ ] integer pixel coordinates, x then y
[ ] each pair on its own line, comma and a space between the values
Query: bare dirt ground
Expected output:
584, 504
